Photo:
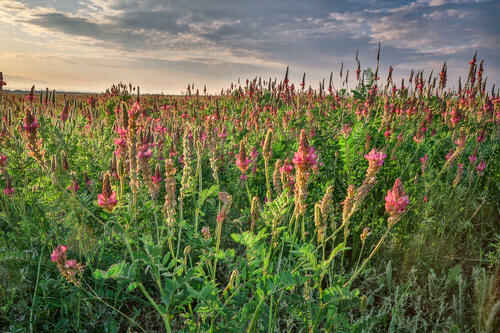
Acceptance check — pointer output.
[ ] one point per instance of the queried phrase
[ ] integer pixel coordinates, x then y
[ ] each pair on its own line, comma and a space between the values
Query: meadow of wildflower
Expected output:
270, 207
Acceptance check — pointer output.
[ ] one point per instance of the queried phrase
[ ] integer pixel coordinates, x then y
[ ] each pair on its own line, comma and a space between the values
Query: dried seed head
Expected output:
226, 198
348, 203
319, 223
205, 231
267, 150
187, 250
364, 234
170, 169
326, 202
254, 212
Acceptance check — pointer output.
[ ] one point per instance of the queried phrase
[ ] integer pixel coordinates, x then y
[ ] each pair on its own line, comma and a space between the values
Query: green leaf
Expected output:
132, 286
338, 249
116, 271
207, 193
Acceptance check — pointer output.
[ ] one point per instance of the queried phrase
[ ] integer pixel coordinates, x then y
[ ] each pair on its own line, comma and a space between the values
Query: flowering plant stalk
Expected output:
396, 202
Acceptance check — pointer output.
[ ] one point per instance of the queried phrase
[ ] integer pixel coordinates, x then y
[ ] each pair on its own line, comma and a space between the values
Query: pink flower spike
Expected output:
423, 161
376, 157
58, 253
73, 187
71, 264
396, 199
481, 166
3, 161
145, 154
156, 180
8, 191
108, 203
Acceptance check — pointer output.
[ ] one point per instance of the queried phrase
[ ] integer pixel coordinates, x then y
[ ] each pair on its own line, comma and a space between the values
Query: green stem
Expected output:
217, 246
248, 193
365, 262
179, 225
200, 188
254, 317
359, 257
36, 289
303, 223
164, 316
100, 299
268, 182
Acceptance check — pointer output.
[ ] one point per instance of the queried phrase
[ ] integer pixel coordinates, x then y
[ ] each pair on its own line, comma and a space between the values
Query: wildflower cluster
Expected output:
69, 268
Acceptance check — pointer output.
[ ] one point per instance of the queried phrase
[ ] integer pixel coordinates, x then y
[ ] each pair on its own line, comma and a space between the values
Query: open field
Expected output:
271, 207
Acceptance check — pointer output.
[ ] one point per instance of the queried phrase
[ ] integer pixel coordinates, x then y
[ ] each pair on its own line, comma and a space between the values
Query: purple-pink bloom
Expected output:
3, 161
9, 190
305, 158
423, 161
73, 187
144, 153
136, 108
59, 253
376, 158
107, 203
71, 264
396, 199
156, 179
481, 166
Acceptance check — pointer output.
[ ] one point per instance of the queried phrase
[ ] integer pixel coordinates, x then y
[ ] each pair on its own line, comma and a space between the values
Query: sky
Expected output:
162, 46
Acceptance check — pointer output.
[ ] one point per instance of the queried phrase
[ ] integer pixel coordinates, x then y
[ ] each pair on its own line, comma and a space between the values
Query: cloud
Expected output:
231, 38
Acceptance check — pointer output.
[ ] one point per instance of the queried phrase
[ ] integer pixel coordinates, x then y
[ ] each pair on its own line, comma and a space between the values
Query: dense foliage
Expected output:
267, 208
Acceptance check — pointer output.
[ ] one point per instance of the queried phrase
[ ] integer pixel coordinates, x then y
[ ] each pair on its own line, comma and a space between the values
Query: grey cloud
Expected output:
307, 34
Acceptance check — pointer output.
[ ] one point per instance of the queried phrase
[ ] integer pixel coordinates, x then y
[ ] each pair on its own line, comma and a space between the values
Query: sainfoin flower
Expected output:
423, 162
144, 152
107, 199
481, 166
30, 123
156, 178
375, 161
242, 161
68, 268
2, 82
375, 158
8, 190
205, 231
59, 253
3, 161
107, 203
396, 202
306, 156
73, 187
65, 112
